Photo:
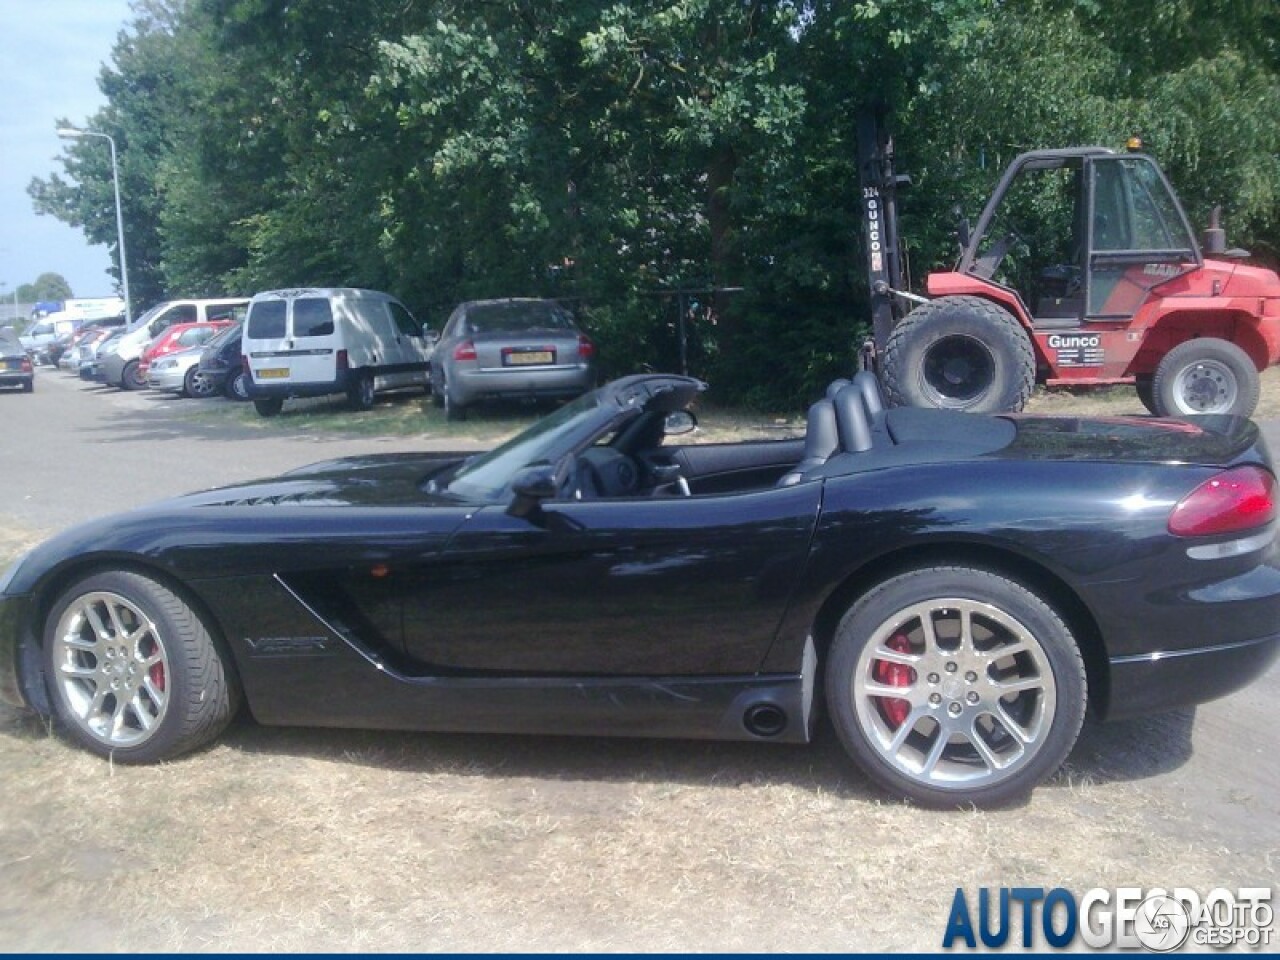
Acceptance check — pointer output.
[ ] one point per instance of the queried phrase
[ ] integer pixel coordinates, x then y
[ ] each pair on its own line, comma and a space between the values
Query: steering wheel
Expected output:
605, 472
664, 475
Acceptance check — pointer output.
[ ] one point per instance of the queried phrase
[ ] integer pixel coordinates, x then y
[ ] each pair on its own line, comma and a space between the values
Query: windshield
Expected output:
511, 315
147, 317
486, 477
8, 338
217, 341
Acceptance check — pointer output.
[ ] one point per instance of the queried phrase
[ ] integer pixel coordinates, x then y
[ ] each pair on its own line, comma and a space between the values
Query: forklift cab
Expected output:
1081, 235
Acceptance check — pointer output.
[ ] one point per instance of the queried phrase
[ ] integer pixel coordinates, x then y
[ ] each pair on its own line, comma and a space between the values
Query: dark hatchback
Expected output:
16, 369
222, 363
952, 588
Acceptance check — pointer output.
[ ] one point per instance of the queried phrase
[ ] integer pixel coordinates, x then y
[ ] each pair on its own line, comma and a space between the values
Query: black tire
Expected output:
237, 386
1206, 375
953, 686
437, 394
130, 379
959, 353
268, 406
454, 412
1146, 394
195, 384
360, 393
180, 688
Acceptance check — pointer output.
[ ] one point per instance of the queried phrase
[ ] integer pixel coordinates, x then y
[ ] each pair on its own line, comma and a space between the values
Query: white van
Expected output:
44, 332
121, 367
313, 342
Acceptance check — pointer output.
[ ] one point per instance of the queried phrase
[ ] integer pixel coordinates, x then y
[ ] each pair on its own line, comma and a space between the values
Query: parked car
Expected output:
16, 368
180, 373
180, 336
950, 589
317, 342
91, 356
517, 348
223, 364
121, 367
82, 348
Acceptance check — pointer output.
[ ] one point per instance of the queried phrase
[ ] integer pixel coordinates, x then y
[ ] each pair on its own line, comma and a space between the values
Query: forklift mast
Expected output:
880, 221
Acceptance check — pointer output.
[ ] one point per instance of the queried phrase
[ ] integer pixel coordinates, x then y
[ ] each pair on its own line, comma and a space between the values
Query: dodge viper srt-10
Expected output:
954, 588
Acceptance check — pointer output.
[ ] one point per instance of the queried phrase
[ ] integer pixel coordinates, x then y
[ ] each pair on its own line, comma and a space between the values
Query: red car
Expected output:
180, 336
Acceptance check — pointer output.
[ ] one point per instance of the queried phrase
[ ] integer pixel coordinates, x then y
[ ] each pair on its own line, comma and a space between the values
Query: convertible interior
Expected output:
847, 431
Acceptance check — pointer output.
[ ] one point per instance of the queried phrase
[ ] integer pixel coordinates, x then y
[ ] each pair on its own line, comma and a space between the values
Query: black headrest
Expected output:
866, 382
821, 440
835, 387
852, 422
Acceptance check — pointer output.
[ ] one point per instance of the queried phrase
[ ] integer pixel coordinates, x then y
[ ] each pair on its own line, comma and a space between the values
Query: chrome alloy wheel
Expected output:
1206, 386
111, 669
954, 693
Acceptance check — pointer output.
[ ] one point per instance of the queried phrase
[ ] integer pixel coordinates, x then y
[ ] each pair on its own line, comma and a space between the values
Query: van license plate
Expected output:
272, 373
530, 357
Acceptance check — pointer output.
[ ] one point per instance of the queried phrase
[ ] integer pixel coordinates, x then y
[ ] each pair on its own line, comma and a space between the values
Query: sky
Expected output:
55, 49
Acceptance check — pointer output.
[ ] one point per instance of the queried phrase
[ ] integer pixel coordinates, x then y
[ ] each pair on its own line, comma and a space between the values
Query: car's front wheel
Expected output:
953, 686
133, 671
133, 378
197, 384
238, 386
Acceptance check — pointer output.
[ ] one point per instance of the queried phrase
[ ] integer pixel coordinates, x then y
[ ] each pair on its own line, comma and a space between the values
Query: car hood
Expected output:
369, 481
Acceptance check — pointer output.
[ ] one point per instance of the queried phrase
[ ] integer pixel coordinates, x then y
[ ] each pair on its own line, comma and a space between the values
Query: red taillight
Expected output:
26, 365
586, 349
342, 361
466, 350
1240, 499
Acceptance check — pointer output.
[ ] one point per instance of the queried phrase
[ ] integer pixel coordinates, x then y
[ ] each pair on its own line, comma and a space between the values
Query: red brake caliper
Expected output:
156, 673
894, 710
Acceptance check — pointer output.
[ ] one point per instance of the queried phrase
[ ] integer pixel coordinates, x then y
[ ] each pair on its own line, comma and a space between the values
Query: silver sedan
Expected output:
180, 373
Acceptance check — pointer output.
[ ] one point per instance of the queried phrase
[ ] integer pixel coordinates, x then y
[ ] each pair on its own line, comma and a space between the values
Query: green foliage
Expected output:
611, 154
47, 286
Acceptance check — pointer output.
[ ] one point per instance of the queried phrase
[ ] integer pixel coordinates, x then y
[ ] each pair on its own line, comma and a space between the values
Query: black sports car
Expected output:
955, 588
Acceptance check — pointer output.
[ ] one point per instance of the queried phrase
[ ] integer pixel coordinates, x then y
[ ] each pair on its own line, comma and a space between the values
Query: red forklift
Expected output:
1082, 271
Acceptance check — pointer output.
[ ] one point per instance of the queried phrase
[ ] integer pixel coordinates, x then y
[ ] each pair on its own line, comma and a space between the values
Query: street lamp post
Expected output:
74, 133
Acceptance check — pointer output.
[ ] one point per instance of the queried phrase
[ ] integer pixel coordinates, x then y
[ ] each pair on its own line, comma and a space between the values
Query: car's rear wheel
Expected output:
360, 394
454, 411
133, 671
268, 406
953, 685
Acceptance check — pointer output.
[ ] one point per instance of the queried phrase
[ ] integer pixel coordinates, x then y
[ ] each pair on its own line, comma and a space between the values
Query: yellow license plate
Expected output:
532, 357
272, 373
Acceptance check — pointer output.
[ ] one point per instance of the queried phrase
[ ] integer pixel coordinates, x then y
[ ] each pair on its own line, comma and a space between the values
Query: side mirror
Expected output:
679, 423
535, 483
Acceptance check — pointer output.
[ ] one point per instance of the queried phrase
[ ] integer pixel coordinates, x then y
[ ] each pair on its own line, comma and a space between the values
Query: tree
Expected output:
47, 286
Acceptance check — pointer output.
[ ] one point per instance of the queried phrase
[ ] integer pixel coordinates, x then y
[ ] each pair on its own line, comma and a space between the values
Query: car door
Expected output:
649, 587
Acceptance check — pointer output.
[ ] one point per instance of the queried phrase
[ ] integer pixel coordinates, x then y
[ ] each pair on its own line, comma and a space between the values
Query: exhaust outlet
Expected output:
765, 719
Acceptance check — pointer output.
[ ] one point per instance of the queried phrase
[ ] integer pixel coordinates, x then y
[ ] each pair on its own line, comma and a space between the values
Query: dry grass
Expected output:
300, 840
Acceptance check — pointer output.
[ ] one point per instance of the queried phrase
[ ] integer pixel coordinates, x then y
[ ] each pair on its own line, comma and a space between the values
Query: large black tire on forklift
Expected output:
1205, 375
959, 353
